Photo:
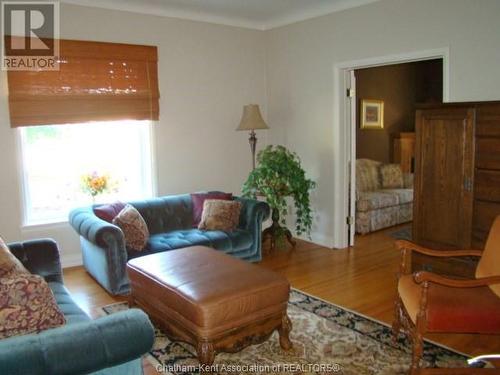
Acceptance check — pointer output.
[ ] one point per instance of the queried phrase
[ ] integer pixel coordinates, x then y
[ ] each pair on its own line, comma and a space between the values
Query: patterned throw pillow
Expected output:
220, 215
9, 264
199, 199
134, 228
27, 305
392, 176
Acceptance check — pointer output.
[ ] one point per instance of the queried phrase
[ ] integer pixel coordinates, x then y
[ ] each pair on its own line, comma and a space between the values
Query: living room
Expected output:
287, 57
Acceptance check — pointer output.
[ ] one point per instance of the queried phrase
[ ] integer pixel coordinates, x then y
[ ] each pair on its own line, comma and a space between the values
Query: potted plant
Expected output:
279, 175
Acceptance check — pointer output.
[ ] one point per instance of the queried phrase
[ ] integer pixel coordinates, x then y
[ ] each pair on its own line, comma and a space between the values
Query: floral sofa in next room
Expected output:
384, 195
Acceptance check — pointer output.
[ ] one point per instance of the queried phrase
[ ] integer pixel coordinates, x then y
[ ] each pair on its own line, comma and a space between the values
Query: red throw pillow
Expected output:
198, 200
108, 212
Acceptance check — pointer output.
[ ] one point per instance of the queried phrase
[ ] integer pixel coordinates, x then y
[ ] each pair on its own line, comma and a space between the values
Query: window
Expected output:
56, 157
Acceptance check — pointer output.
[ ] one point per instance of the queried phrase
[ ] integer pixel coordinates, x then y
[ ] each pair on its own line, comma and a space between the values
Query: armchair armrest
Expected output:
407, 247
410, 246
424, 276
40, 257
79, 348
93, 229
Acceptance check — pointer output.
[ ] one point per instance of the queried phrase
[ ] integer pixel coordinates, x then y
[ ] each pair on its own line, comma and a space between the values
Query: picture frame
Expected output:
372, 114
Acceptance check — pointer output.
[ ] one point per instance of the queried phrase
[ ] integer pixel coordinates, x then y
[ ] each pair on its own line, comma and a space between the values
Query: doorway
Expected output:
348, 120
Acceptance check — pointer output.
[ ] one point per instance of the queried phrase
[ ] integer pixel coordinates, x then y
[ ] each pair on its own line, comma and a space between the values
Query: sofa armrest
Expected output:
253, 213
79, 348
40, 257
93, 229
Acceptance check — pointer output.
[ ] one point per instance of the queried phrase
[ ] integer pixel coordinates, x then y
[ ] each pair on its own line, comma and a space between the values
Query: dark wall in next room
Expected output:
400, 86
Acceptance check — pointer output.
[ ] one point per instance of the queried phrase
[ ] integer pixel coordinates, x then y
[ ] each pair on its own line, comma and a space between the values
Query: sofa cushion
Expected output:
168, 213
408, 179
133, 226
392, 176
198, 200
220, 215
404, 195
228, 241
27, 305
9, 264
373, 200
367, 175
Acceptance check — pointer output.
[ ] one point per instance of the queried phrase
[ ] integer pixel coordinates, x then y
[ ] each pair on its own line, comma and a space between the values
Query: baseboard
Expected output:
318, 239
71, 260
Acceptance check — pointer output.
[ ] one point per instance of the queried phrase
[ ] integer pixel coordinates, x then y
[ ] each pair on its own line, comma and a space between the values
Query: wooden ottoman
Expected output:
211, 300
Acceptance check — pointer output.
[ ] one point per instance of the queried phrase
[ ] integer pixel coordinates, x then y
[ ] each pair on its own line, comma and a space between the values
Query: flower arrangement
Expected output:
95, 184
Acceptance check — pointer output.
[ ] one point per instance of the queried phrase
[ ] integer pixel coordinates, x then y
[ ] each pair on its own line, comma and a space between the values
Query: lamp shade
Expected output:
251, 118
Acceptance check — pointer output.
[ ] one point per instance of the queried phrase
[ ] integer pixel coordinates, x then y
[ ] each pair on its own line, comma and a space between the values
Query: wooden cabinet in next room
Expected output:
457, 177
444, 170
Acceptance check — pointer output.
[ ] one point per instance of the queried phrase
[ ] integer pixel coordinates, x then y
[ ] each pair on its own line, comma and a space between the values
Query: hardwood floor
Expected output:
361, 278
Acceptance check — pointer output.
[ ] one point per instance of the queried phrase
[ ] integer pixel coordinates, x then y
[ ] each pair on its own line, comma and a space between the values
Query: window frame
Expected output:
24, 199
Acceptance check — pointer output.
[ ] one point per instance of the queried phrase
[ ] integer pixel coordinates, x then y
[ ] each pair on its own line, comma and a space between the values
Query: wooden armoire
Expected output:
457, 179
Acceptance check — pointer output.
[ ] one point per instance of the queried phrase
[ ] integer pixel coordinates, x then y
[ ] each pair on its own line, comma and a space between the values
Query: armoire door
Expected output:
444, 170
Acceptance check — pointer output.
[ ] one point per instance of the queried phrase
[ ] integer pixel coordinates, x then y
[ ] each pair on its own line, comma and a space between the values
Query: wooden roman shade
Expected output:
96, 82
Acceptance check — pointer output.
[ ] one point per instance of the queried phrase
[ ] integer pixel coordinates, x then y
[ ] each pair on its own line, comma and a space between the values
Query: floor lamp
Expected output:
252, 120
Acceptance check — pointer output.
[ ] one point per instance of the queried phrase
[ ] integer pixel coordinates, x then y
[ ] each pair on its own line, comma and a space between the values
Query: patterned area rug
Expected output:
326, 339
402, 234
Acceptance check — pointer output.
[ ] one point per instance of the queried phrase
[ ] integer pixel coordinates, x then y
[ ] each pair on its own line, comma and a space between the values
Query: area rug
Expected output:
327, 339
402, 234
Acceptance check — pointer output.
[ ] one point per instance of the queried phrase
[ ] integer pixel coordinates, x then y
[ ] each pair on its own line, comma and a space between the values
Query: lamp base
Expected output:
253, 145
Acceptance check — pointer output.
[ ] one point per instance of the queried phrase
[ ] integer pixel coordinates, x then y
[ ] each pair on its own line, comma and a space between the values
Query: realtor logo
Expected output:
30, 35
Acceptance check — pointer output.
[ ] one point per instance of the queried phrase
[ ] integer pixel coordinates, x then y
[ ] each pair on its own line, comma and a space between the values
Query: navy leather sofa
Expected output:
170, 223
82, 346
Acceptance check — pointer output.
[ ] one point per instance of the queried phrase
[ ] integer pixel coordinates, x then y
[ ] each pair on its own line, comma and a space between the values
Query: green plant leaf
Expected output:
279, 174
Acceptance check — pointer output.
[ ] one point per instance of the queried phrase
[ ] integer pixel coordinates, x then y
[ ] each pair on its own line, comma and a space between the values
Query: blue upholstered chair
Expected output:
170, 223
111, 345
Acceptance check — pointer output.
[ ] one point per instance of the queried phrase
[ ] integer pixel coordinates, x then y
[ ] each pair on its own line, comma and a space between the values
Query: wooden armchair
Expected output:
428, 302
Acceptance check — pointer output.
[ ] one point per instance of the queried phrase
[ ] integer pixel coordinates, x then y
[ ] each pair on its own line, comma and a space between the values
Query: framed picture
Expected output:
372, 114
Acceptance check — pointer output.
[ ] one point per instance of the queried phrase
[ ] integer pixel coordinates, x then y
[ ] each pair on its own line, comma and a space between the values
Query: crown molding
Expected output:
170, 13
314, 12
165, 11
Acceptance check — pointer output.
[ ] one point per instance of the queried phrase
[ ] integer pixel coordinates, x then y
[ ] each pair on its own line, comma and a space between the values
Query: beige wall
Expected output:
207, 73
300, 74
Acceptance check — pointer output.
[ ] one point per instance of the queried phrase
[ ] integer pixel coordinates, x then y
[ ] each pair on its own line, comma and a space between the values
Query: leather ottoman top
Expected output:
207, 287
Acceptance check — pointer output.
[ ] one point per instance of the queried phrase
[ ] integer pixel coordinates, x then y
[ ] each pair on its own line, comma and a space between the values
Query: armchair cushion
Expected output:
450, 309
40, 257
9, 264
489, 264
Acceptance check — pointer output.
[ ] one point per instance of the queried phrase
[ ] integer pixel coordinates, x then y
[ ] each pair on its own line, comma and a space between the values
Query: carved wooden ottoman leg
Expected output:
205, 352
284, 331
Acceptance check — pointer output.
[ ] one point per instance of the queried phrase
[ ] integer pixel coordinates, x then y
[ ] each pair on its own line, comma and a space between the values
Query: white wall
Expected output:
300, 75
206, 74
